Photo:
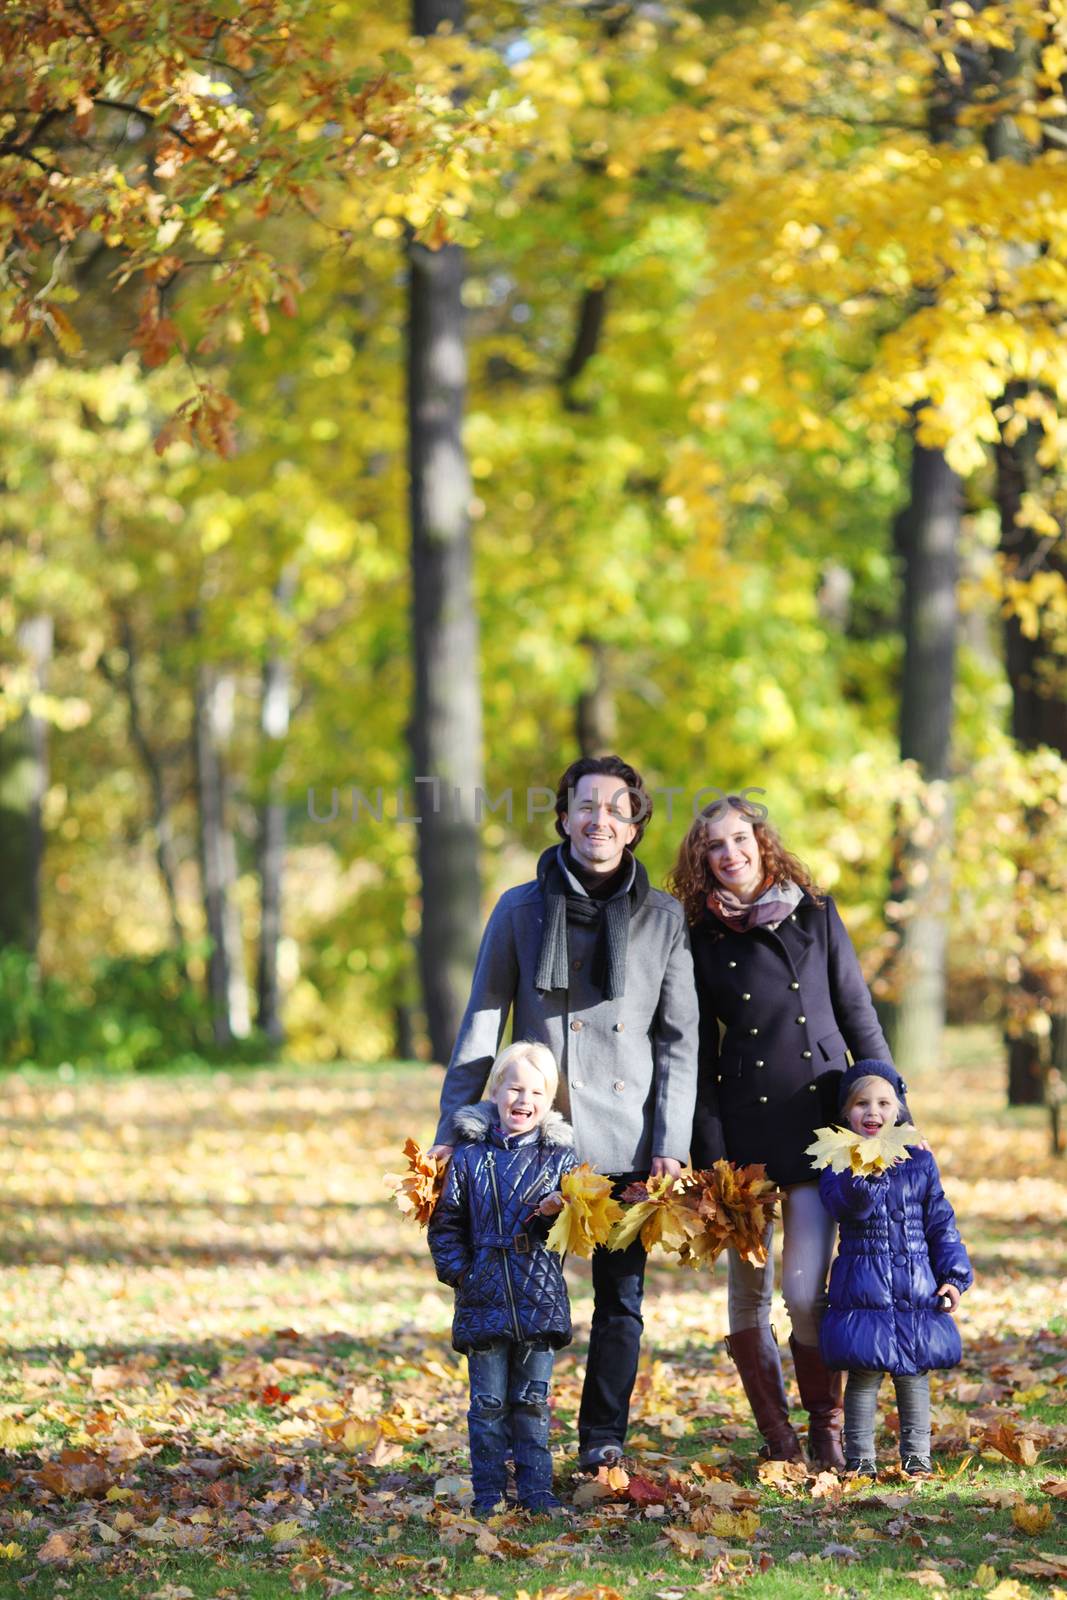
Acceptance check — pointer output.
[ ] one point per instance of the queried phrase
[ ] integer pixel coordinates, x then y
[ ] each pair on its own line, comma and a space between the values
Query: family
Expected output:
717, 1020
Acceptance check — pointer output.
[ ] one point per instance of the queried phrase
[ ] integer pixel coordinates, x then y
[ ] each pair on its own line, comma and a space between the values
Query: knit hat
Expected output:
870, 1069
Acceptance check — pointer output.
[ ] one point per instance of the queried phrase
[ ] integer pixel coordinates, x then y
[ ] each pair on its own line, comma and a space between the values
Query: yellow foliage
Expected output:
661, 1218
589, 1213
844, 1151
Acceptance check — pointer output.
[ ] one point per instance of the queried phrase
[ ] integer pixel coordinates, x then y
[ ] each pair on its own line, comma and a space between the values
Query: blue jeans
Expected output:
508, 1414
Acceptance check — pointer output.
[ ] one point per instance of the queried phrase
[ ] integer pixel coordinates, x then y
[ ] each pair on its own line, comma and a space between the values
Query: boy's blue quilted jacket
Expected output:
485, 1243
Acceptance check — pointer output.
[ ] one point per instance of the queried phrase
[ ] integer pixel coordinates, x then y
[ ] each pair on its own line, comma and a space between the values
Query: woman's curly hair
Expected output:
690, 879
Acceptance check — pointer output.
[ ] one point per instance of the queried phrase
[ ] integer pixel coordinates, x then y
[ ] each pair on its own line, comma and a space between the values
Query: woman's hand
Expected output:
440, 1152
950, 1291
665, 1166
551, 1205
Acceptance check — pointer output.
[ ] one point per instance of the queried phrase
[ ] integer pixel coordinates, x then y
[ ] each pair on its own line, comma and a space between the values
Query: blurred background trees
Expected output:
390, 396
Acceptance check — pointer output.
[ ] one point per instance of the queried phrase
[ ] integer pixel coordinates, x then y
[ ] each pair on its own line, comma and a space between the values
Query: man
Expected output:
593, 962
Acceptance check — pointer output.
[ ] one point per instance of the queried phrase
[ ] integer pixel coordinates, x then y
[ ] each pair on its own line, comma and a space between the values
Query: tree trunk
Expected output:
23, 781
928, 533
166, 858
446, 725
595, 722
227, 988
274, 725
1038, 701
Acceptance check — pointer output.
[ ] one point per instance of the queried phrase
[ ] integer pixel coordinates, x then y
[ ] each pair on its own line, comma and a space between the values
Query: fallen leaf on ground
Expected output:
1031, 1519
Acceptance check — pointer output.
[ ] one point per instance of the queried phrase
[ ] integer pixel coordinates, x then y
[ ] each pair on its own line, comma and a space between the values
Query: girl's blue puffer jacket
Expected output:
483, 1240
899, 1242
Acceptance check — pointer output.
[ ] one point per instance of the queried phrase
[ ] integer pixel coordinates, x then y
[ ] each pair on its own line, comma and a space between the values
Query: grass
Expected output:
217, 1332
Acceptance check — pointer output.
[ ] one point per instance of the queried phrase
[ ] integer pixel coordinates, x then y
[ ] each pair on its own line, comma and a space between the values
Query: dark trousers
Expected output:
614, 1343
508, 1415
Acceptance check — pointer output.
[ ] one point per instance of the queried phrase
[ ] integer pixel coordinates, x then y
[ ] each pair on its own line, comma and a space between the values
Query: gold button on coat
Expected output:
577, 1025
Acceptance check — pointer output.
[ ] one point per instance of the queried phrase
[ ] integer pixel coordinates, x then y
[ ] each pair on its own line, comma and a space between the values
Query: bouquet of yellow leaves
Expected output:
733, 1206
660, 1211
589, 1213
844, 1151
417, 1191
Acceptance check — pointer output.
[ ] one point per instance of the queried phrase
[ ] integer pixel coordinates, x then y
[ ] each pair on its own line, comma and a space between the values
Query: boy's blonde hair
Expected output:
539, 1056
865, 1083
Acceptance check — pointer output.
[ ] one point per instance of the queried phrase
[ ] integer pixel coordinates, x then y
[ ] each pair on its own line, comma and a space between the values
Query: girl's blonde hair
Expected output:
865, 1083
539, 1056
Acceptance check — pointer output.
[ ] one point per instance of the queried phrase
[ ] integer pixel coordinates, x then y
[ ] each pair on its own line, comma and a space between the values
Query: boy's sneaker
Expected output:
543, 1504
917, 1467
862, 1467
483, 1509
600, 1455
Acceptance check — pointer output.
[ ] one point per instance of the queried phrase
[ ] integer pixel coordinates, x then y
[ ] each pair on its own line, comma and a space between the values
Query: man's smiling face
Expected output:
597, 822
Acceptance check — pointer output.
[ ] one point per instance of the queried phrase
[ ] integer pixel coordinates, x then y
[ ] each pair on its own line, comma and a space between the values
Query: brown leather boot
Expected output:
822, 1394
755, 1355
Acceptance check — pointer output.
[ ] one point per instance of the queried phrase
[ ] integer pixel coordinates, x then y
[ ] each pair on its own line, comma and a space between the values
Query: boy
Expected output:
488, 1243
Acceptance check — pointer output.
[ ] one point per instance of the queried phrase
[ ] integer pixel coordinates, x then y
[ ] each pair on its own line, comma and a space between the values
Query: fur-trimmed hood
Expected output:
475, 1123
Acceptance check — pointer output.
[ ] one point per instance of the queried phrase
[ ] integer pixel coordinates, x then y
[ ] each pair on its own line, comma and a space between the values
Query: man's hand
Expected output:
665, 1165
953, 1294
440, 1152
551, 1205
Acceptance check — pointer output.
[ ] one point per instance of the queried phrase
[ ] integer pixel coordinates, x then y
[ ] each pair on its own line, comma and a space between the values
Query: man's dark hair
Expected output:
612, 767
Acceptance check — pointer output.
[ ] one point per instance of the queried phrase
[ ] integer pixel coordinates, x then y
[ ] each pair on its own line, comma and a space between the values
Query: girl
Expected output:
487, 1238
901, 1267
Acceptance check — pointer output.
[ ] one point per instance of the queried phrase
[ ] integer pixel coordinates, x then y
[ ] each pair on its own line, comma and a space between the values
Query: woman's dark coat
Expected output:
485, 1242
793, 1002
898, 1244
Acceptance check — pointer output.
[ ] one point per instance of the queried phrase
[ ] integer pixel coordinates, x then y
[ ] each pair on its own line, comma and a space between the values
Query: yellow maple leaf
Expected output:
734, 1524
1031, 1519
589, 1212
844, 1151
282, 1532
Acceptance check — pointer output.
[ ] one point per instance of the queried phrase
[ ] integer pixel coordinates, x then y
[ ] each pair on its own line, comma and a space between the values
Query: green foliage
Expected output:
129, 1014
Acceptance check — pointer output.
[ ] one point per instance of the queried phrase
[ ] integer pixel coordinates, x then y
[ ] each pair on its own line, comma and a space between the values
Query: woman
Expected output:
782, 1001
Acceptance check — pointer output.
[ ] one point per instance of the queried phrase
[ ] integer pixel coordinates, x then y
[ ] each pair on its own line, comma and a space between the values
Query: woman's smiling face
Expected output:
732, 853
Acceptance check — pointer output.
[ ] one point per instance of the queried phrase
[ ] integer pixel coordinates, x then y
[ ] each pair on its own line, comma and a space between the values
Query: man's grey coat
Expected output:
628, 1067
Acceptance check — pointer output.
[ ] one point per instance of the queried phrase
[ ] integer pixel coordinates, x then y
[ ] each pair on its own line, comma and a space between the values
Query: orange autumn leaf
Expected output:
1011, 1442
417, 1191
734, 1205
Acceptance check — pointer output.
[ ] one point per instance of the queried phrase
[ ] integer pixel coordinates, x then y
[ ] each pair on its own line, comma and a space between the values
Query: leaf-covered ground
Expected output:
225, 1371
